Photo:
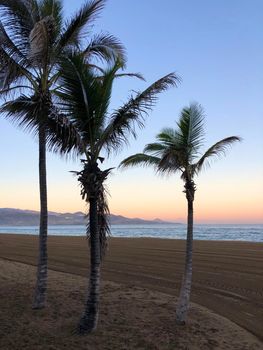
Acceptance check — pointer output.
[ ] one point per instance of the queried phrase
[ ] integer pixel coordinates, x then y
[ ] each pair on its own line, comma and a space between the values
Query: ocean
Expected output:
230, 232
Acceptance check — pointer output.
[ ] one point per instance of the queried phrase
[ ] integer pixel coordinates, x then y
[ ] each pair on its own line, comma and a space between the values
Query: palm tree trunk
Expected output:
89, 320
41, 284
184, 296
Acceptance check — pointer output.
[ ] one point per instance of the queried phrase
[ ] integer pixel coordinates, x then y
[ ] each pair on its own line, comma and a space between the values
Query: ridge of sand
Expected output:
131, 318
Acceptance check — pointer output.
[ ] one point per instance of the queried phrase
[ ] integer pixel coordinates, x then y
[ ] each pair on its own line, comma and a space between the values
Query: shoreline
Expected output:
136, 237
226, 274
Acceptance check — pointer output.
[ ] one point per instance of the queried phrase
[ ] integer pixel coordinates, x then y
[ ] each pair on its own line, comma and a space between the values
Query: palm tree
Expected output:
85, 95
178, 150
34, 38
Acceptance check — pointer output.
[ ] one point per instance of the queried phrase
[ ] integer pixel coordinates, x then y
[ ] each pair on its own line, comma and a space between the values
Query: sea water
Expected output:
251, 233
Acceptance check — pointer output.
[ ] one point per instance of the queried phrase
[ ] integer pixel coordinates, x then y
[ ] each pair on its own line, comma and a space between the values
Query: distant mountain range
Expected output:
18, 217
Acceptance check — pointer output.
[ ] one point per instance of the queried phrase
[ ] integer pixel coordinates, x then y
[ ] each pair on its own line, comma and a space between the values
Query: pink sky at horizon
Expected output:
215, 202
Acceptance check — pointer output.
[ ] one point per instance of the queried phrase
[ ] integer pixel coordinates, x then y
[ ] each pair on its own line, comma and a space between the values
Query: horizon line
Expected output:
170, 221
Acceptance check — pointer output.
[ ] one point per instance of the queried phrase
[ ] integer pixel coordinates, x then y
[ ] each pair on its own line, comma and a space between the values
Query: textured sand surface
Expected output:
227, 276
131, 318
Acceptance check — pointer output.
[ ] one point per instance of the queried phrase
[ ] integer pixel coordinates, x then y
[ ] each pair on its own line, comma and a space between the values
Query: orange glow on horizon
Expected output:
215, 201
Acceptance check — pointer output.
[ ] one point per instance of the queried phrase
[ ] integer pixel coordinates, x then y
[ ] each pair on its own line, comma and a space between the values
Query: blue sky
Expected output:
217, 49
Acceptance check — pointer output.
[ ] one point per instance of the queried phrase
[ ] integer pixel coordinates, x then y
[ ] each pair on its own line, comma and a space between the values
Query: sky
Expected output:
216, 47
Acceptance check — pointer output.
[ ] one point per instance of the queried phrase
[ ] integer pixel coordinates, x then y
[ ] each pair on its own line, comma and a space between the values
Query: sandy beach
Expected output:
227, 280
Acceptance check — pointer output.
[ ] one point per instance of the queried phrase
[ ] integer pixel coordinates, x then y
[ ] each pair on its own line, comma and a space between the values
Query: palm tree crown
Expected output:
178, 150
84, 96
34, 38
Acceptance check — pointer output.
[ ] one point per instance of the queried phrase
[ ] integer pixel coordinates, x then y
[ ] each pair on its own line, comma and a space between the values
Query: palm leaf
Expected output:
105, 47
130, 75
155, 148
106, 82
23, 112
80, 95
62, 135
12, 92
19, 17
170, 137
140, 159
171, 161
10, 70
217, 150
9, 46
133, 113
191, 129
73, 30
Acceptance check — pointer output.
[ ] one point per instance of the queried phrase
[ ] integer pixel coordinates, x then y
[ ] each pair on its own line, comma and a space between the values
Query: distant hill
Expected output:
18, 217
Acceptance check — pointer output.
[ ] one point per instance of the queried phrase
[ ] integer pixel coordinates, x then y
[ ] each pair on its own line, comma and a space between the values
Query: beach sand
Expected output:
141, 280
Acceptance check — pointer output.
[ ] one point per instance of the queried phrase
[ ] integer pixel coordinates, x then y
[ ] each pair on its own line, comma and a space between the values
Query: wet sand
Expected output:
227, 276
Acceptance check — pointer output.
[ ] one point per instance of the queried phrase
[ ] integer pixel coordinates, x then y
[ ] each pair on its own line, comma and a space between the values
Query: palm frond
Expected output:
105, 47
140, 159
74, 29
72, 81
191, 129
9, 46
23, 112
170, 137
12, 92
119, 65
62, 135
13, 63
80, 96
173, 151
217, 150
172, 160
10, 70
164, 164
18, 17
134, 112
155, 148
130, 75
105, 90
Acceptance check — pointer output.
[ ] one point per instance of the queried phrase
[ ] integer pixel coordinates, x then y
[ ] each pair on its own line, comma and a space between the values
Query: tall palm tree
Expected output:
34, 38
178, 150
85, 95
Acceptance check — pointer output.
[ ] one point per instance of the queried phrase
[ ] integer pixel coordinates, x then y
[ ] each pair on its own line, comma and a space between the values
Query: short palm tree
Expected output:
86, 95
178, 150
34, 38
